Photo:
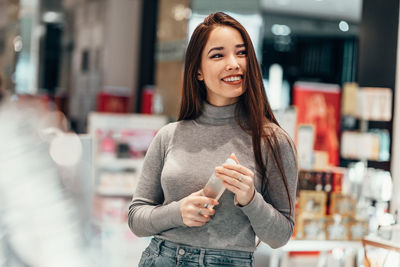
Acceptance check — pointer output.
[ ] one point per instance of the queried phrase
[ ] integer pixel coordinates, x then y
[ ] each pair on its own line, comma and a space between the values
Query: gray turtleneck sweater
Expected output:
182, 157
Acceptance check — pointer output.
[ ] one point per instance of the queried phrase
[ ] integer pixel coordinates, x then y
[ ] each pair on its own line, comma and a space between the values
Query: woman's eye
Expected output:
216, 56
242, 52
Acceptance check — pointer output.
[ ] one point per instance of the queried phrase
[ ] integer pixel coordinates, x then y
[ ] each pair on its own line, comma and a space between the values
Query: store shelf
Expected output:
320, 245
384, 165
276, 256
360, 159
381, 243
115, 180
124, 121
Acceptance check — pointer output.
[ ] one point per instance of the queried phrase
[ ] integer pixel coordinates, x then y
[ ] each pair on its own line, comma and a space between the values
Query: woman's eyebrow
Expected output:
219, 48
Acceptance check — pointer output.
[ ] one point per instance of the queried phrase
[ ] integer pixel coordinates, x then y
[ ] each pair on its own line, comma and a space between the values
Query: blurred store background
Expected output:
106, 75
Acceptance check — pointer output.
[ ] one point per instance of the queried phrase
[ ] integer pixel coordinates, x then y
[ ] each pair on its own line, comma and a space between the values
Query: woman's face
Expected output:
223, 63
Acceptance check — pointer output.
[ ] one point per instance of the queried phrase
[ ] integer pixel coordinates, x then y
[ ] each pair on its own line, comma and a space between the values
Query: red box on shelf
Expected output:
319, 104
147, 100
107, 102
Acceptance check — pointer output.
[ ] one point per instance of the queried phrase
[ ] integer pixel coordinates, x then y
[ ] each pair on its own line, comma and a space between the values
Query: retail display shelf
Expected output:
369, 160
119, 163
120, 142
382, 243
320, 245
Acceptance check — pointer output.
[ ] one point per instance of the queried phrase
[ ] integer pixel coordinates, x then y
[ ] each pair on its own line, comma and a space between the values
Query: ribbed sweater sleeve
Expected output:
270, 216
148, 215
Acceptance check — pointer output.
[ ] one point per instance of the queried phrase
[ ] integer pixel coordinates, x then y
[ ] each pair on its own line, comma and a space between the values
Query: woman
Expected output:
224, 110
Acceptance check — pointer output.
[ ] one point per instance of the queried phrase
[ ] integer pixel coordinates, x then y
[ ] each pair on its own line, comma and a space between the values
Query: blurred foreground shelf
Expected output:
278, 257
320, 245
377, 242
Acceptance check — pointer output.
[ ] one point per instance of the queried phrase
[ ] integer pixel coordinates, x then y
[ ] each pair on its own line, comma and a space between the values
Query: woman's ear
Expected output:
199, 75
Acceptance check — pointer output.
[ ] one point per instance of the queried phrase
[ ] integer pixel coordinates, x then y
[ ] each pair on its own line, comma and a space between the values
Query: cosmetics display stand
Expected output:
278, 257
120, 142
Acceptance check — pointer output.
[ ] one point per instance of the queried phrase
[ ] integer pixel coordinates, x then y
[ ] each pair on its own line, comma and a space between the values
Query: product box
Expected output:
312, 203
318, 104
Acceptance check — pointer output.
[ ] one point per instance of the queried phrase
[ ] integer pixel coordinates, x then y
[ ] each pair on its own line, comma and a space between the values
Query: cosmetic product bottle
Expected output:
214, 187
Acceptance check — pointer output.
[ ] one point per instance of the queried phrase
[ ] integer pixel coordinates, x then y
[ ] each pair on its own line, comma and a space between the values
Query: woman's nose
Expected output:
232, 63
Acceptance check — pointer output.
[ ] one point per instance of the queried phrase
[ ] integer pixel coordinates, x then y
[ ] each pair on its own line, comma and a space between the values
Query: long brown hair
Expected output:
253, 103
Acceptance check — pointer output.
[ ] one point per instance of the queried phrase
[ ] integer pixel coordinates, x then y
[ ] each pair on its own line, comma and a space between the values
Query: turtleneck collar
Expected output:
217, 115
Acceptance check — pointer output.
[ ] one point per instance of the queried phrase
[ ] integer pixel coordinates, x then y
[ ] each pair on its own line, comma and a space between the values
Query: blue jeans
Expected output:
162, 253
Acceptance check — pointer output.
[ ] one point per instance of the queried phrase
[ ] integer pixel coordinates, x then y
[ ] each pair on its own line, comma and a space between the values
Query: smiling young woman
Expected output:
224, 111
223, 62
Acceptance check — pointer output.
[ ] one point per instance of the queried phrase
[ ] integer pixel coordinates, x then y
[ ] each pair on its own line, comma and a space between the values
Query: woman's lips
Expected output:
233, 79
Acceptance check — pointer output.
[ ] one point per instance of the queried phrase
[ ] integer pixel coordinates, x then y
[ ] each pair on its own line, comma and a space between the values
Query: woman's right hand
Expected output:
193, 211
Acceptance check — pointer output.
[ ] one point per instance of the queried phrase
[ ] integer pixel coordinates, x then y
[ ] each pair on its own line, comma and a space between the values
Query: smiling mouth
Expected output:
233, 79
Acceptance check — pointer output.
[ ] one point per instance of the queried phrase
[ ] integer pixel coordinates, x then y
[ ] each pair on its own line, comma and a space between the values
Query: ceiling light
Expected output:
278, 29
52, 17
343, 26
181, 12
17, 43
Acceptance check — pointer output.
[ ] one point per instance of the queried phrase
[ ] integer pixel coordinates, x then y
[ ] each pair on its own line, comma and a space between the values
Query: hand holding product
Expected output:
214, 187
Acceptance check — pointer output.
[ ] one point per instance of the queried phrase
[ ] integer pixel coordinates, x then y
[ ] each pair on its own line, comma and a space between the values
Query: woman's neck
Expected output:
217, 115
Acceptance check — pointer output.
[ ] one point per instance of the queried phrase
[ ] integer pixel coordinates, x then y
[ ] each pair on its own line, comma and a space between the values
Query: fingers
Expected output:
231, 187
233, 156
206, 212
238, 168
202, 201
233, 182
196, 216
193, 210
233, 176
239, 180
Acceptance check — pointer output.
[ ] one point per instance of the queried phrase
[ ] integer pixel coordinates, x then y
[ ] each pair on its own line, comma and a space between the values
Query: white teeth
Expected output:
232, 79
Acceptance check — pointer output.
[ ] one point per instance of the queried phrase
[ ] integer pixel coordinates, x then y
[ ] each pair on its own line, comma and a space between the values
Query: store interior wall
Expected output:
170, 48
148, 39
121, 44
105, 43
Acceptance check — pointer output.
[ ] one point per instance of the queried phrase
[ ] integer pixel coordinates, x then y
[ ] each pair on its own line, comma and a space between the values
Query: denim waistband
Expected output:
172, 249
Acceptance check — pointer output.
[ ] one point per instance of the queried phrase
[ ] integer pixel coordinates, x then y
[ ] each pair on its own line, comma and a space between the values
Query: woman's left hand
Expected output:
237, 179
